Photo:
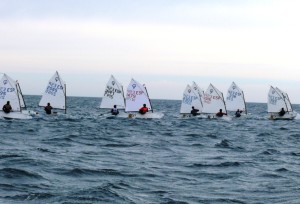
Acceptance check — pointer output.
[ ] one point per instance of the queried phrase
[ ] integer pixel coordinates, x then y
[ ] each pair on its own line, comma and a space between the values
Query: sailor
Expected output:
48, 108
220, 113
194, 111
143, 109
114, 110
238, 113
281, 112
7, 107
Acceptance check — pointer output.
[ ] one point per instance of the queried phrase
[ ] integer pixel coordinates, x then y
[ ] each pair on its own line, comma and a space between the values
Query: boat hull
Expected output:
148, 115
287, 116
15, 115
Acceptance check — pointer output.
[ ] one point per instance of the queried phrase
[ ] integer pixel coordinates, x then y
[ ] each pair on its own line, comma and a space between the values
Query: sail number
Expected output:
4, 90
131, 95
232, 95
187, 99
208, 98
52, 88
110, 91
273, 99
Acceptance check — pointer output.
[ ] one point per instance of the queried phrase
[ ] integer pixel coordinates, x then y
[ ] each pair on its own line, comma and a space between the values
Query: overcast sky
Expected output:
163, 44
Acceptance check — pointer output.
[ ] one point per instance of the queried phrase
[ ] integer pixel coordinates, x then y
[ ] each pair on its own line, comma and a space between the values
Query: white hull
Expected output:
189, 115
213, 116
148, 115
15, 115
287, 116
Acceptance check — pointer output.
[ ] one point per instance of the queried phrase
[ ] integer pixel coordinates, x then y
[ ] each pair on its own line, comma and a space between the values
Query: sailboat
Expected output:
55, 93
200, 93
136, 96
213, 102
10, 91
113, 95
190, 99
235, 99
277, 100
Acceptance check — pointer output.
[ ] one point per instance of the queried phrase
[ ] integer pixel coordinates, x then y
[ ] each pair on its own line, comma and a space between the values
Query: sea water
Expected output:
86, 157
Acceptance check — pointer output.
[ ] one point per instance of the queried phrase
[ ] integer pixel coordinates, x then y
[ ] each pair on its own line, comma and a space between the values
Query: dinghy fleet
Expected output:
208, 104
211, 102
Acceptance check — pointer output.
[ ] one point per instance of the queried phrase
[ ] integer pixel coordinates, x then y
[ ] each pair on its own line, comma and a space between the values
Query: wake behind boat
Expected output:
10, 92
279, 105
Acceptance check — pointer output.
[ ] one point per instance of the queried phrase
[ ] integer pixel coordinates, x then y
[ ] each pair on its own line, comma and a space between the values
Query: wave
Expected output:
223, 164
18, 173
223, 144
30, 197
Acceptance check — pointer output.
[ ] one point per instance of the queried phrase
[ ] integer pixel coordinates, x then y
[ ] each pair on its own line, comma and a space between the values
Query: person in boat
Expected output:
238, 113
220, 113
114, 110
7, 107
194, 111
48, 108
143, 109
281, 112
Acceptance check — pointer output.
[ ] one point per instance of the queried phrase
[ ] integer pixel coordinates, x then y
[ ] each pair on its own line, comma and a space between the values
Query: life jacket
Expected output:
6, 108
219, 114
114, 111
143, 110
48, 109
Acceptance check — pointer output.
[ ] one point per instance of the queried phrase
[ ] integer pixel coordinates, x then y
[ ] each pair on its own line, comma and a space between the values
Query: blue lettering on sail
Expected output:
52, 88
232, 95
4, 90
188, 99
273, 99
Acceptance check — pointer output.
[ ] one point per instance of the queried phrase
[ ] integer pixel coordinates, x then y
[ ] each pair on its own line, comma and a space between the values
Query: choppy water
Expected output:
84, 157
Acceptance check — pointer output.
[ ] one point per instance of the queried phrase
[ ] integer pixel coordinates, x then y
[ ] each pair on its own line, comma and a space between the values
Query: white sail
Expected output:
113, 95
136, 96
200, 93
275, 101
190, 98
55, 93
235, 99
9, 92
213, 100
286, 100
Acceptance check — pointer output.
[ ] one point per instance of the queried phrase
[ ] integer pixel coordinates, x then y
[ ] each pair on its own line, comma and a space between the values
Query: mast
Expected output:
148, 98
65, 97
283, 98
287, 97
123, 97
244, 102
19, 89
17, 92
224, 103
220, 96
